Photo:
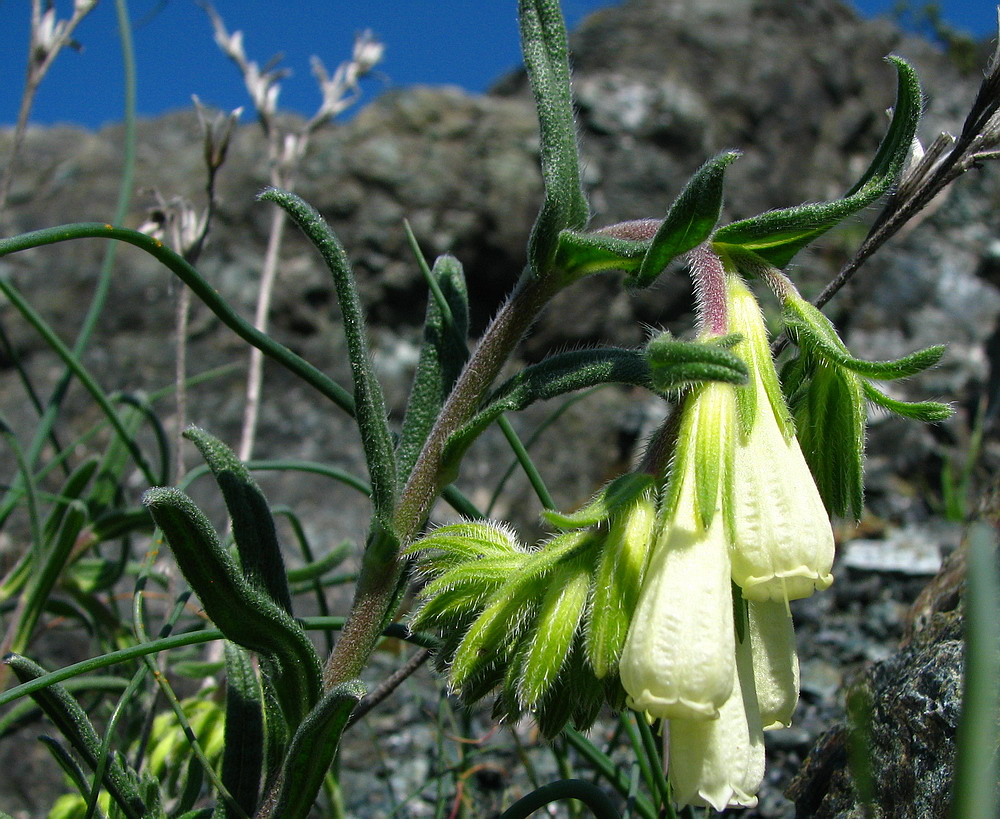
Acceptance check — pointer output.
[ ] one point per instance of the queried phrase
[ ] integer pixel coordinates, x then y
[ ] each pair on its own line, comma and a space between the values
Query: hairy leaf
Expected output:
253, 526
927, 411
442, 357
311, 751
74, 724
555, 375
810, 328
678, 364
690, 220
369, 401
619, 494
546, 61
244, 613
778, 235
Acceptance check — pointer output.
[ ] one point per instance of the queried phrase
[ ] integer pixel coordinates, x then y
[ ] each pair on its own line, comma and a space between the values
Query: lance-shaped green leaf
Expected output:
74, 724
546, 61
243, 754
311, 752
555, 375
689, 222
442, 356
810, 328
829, 414
927, 411
618, 496
552, 637
778, 235
369, 401
253, 526
676, 364
243, 612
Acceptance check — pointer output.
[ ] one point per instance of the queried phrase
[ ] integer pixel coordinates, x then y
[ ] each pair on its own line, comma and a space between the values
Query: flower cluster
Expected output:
741, 511
669, 591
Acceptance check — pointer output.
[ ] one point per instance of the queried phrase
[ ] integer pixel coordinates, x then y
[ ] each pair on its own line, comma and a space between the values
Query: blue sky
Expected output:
462, 42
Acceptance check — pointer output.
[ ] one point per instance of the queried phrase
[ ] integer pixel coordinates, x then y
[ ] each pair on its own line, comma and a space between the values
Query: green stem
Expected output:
382, 570
592, 796
524, 459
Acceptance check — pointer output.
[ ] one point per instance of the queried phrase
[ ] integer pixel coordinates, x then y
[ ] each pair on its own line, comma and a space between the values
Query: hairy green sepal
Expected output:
617, 581
558, 618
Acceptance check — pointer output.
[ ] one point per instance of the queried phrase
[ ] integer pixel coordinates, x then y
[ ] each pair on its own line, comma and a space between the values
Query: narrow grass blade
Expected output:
45, 576
201, 288
976, 768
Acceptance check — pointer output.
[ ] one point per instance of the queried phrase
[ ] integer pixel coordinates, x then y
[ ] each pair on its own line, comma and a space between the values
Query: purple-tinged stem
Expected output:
709, 277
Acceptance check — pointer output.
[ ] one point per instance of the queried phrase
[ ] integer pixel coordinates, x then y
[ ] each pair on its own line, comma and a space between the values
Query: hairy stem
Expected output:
382, 568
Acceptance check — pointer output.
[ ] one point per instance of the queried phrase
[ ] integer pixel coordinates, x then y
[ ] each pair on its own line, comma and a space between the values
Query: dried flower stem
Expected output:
48, 38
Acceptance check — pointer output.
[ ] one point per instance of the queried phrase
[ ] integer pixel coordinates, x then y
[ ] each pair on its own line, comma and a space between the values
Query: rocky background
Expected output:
800, 88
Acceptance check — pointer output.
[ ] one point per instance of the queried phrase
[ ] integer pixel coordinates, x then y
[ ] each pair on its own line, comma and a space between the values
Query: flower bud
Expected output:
617, 582
775, 663
678, 657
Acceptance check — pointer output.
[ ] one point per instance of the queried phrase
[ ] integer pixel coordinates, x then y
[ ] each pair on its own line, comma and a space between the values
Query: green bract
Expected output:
827, 389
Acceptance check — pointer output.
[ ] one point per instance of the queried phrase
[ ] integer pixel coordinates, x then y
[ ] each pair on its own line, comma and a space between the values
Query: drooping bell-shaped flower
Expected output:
782, 542
678, 657
720, 762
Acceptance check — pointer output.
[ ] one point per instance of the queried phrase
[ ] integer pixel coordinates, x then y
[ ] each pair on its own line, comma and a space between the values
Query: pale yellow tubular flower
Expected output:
720, 762
782, 542
679, 654
775, 663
